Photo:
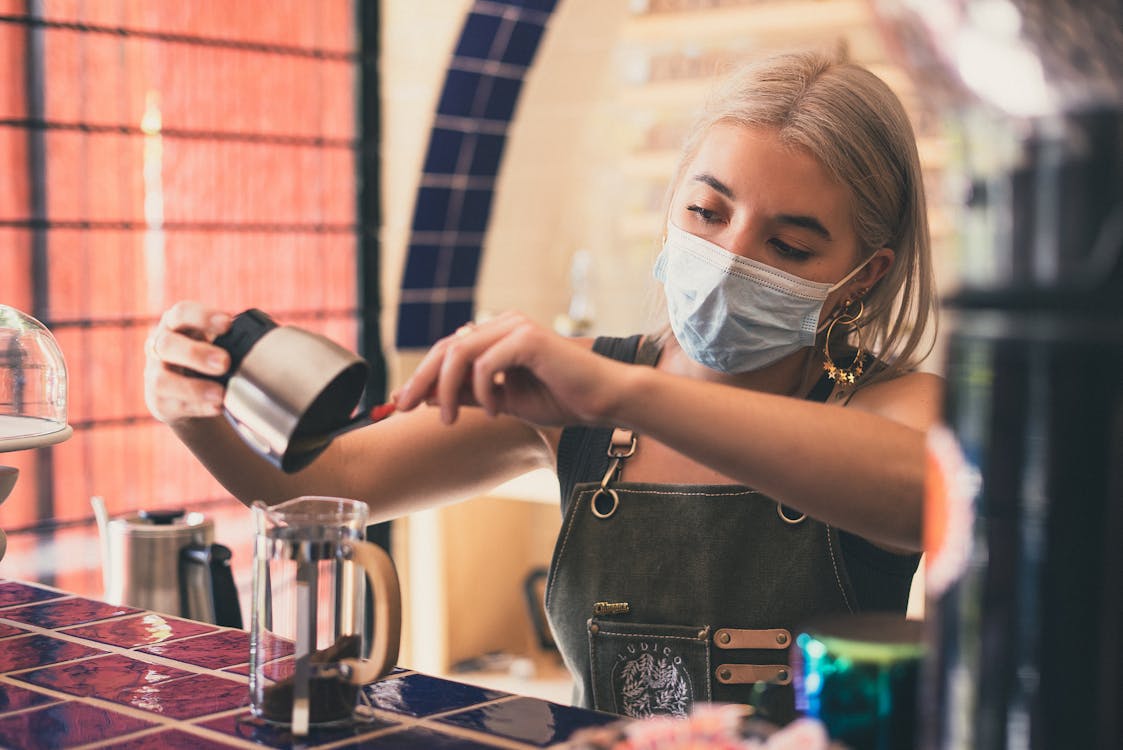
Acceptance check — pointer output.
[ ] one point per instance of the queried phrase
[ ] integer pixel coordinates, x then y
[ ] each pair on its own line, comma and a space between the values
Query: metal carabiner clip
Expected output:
621, 446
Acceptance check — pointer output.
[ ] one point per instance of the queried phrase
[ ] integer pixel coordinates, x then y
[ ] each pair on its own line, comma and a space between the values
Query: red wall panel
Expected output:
243, 196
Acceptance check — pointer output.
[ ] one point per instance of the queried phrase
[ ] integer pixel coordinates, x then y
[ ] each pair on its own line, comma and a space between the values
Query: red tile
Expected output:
186, 698
15, 594
65, 725
102, 677
67, 611
29, 651
145, 630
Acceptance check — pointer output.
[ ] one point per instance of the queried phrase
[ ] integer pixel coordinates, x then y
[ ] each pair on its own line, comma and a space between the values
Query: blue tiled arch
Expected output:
485, 75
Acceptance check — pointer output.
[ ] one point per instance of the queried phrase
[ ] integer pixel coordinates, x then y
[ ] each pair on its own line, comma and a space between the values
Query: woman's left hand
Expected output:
511, 365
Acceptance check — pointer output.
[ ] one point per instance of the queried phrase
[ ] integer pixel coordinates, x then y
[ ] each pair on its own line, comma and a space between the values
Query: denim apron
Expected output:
660, 596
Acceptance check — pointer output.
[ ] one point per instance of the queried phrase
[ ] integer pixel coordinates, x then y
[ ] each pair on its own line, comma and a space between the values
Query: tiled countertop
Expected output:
75, 672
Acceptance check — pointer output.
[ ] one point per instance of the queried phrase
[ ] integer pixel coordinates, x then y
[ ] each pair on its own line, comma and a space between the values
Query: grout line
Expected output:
109, 648
192, 729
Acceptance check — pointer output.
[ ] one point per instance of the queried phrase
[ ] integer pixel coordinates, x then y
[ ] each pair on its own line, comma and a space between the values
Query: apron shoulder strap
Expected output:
623, 349
583, 451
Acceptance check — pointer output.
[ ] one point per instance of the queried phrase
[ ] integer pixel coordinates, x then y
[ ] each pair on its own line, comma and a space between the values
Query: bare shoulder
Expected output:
914, 399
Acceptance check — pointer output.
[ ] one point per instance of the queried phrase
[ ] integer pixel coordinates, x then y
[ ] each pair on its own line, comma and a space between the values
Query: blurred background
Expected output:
380, 171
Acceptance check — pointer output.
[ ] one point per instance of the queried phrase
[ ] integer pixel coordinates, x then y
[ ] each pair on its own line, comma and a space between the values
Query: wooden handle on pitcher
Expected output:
387, 597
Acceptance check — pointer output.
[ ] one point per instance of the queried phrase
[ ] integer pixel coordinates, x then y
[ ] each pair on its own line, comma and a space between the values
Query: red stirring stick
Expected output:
380, 412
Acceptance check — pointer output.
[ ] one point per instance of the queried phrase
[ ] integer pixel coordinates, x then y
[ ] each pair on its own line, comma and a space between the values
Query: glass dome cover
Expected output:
32, 383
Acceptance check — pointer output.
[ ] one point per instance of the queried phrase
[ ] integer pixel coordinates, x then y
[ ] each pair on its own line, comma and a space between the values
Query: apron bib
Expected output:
685, 594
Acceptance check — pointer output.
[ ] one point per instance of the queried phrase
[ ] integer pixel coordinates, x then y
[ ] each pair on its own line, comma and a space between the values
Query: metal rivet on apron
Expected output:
782, 638
725, 638
782, 675
725, 674
594, 628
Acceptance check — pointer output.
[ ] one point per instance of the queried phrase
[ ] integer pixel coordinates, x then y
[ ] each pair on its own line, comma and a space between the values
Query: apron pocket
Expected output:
642, 670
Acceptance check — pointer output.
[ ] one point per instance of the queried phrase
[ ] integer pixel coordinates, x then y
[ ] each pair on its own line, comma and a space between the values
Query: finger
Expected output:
182, 350
452, 376
195, 319
491, 368
172, 410
421, 386
172, 396
454, 382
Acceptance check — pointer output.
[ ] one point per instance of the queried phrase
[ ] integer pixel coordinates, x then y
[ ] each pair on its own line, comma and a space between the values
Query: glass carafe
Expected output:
311, 567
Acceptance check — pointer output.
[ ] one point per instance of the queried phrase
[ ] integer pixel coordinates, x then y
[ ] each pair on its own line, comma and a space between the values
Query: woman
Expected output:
749, 468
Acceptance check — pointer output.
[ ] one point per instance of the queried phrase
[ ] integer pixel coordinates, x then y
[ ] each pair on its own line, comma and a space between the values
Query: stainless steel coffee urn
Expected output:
1026, 632
167, 561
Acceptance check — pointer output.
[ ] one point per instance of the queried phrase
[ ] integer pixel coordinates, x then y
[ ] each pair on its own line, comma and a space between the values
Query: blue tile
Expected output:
413, 325
246, 726
502, 98
464, 266
421, 267
430, 266
545, 6
459, 94
454, 315
523, 43
422, 695
431, 212
475, 210
417, 737
443, 156
487, 151
529, 720
478, 36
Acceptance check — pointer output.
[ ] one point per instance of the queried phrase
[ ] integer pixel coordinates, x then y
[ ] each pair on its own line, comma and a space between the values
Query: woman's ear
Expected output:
877, 266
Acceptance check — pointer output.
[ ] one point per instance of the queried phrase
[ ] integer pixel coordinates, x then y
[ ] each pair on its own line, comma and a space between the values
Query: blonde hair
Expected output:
849, 119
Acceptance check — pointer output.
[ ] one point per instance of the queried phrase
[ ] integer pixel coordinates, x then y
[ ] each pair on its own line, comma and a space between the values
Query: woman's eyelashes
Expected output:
707, 215
783, 250
787, 251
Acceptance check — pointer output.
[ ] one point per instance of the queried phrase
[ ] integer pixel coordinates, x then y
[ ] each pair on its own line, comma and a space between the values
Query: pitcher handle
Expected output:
387, 613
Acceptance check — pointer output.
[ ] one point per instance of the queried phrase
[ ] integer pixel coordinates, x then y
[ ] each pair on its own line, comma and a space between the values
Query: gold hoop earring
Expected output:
848, 317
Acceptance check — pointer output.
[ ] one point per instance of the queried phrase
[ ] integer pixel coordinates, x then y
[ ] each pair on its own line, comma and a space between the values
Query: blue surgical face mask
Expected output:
733, 314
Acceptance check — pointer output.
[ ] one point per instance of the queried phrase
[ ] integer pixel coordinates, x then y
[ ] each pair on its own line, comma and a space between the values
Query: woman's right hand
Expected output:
178, 349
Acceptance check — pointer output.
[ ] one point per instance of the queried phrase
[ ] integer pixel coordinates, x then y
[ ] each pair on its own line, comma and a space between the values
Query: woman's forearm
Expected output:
244, 473
847, 467
401, 465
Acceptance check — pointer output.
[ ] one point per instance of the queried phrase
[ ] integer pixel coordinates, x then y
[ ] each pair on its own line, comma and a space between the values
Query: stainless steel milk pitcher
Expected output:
288, 391
308, 652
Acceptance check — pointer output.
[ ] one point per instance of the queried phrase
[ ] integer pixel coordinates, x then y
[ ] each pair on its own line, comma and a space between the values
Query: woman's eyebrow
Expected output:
715, 183
805, 222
